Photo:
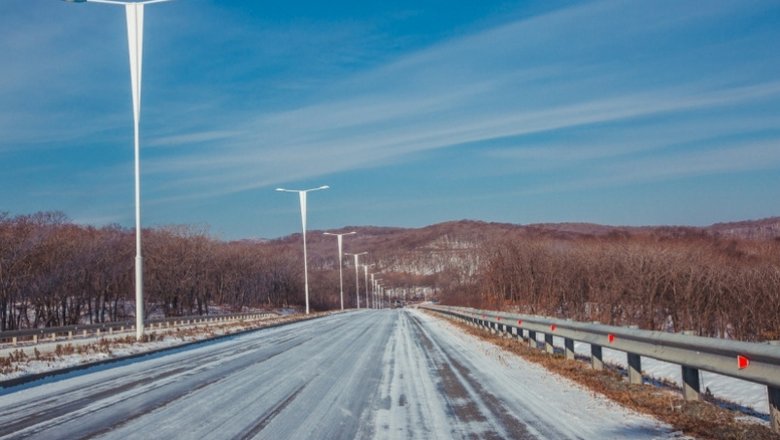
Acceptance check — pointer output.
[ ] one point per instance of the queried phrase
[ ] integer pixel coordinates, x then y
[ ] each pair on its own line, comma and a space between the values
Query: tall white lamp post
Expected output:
376, 291
341, 260
135, 39
365, 283
373, 291
357, 276
302, 196
377, 298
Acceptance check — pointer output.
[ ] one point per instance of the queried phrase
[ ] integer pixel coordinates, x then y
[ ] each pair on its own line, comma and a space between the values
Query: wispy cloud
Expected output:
732, 158
192, 138
471, 89
347, 136
634, 91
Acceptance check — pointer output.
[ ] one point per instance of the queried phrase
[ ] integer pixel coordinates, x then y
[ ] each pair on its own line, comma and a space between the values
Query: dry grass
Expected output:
699, 419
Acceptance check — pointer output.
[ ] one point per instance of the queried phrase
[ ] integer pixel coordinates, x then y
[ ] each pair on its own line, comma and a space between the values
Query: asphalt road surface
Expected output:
388, 374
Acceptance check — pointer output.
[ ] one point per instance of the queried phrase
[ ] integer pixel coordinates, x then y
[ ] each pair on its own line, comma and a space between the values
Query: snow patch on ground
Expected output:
120, 349
744, 393
550, 405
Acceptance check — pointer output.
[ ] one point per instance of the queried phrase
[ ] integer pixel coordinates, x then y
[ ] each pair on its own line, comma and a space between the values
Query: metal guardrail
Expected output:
754, 362
52, 333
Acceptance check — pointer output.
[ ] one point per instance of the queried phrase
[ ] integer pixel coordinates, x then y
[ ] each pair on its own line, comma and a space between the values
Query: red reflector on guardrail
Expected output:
498, 317
553, 327
742, 362
519, 322
611, 338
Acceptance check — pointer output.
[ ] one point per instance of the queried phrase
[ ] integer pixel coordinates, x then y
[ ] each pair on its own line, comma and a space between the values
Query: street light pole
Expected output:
365, 272
341, 260
373, 290
302, 196
357, 275
376, 291
377, 298
134, 12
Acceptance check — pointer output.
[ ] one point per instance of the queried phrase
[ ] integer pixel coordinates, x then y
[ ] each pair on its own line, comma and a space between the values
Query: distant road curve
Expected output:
389, 374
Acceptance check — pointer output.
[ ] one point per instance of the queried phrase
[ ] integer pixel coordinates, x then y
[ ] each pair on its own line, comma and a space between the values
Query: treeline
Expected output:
55, 273
668, 280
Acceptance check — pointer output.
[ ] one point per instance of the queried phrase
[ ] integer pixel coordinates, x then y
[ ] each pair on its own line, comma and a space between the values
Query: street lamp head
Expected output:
336, 235
75, 1
298, 190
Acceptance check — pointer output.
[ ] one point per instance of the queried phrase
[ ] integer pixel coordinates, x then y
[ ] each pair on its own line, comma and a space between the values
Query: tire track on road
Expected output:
266, 418
468, 400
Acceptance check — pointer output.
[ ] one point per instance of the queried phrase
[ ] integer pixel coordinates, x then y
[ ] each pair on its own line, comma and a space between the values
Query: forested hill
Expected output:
54, 272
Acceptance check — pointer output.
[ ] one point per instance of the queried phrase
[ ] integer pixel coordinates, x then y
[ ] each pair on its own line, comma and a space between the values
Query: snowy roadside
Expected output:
551, 405
751, 396
695, 418
16, 364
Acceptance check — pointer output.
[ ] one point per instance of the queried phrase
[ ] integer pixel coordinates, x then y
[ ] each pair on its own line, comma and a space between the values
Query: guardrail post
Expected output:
774, 408
70, 335
596, 357
84, 333
14, 341
691, 387
35, 339
53, 337
97, 332
548, 343
634, 368
531, 338
568, 345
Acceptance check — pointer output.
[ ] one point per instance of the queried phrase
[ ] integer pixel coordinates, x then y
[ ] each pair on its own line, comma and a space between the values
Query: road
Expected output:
389, 374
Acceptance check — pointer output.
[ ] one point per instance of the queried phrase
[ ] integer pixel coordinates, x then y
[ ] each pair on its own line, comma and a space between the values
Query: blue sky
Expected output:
615, 112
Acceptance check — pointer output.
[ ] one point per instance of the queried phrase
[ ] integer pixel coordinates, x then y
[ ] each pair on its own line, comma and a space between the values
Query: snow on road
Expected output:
390, 374
445, 384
